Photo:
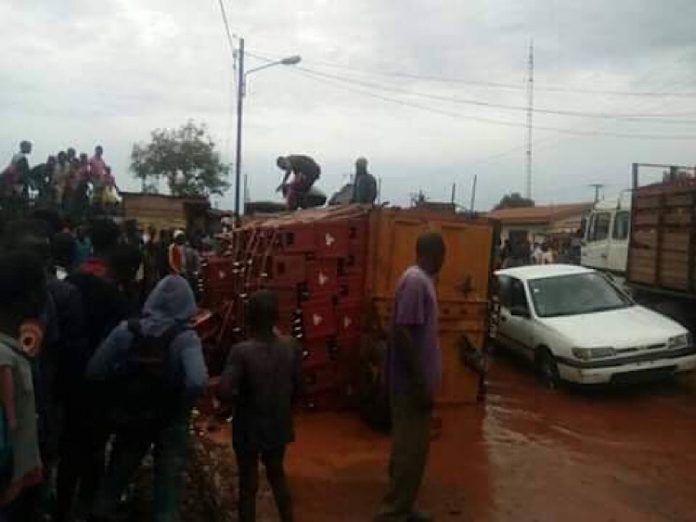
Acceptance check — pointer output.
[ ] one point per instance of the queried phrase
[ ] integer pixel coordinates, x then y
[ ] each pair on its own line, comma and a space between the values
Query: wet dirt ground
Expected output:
528, 453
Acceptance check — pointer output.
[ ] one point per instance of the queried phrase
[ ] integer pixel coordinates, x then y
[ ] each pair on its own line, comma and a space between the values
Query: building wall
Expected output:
535, 232
156, 211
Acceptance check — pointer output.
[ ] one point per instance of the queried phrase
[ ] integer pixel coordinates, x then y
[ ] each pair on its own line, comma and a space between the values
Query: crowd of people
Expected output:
72, 182
99, 367
93, 356
523, 252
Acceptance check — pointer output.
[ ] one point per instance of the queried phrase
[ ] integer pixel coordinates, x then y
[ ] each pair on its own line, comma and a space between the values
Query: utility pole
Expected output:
454, 193
597, 187
379, 190
530, 110
473, 194
240, 98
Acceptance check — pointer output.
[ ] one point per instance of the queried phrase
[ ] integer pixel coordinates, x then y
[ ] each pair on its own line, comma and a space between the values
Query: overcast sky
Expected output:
83, 72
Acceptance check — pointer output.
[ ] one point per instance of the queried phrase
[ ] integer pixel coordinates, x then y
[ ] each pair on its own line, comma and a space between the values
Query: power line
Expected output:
652, 118
319, 77
230, 40
489, 84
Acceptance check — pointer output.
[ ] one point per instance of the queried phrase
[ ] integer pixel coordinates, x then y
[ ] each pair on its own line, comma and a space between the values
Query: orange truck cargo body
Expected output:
335, 271
462, 286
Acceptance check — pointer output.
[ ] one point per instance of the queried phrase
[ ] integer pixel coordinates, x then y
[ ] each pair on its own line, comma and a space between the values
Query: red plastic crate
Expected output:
349, 318
297, 238
351, 287
358, 234
321, 378
288, 271
322, 277
218, 271
331, 240
288, 323
317, 353
318, 318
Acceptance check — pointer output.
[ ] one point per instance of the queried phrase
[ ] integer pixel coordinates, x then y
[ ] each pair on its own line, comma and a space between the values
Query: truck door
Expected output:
618, 249
595, 250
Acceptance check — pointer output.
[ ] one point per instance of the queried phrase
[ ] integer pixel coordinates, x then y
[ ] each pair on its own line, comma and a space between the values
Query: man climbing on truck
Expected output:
306, 172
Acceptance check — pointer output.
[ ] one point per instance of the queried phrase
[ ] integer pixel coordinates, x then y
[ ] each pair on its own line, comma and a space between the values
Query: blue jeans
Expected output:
171, 446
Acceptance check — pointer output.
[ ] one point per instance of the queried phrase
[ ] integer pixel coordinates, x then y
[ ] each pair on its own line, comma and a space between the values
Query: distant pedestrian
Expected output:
63, 250
547, 256
105, 235
83, 246
262, 379
22, 298
14, 180
364, 185
177, 253
158, 372
414, 370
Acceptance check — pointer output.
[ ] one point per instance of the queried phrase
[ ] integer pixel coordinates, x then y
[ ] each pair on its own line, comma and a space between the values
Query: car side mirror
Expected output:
519, 311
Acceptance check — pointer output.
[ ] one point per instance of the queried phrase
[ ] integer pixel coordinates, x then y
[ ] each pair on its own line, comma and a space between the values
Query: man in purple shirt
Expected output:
414, 372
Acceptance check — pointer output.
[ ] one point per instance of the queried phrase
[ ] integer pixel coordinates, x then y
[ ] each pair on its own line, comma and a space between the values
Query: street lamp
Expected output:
241, 92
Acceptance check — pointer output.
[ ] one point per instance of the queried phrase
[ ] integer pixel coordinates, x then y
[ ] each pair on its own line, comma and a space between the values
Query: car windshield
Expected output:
575, 294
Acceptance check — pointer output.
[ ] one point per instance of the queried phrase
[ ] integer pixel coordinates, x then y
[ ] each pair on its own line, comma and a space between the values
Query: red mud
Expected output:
527, 454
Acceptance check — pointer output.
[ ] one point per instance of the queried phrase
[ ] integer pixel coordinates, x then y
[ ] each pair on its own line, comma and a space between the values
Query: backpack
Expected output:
144, 390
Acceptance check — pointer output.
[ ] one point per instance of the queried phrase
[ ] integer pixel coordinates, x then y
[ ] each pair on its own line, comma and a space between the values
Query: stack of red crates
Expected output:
317, 269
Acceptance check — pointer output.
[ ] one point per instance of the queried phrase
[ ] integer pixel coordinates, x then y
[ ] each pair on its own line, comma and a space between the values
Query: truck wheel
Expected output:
547, 368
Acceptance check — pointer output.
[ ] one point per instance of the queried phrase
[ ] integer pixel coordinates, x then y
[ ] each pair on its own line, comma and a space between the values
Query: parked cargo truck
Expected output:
646, 238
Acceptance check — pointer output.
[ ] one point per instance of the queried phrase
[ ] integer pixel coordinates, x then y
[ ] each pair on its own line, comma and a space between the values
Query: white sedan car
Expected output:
577, 326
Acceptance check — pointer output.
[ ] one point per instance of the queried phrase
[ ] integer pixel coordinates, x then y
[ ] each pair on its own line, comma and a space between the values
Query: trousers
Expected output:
248, 466
411, 424
171, 441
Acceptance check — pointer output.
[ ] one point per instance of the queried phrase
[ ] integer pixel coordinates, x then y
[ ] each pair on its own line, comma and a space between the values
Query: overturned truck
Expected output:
335, 271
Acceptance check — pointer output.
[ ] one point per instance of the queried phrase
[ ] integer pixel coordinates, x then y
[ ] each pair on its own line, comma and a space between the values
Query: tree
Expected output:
514, 200
184, 157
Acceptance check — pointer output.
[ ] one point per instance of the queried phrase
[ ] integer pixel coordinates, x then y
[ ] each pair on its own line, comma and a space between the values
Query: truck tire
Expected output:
547, 369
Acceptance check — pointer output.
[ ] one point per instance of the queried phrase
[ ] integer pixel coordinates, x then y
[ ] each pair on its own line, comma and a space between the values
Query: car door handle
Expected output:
604, 256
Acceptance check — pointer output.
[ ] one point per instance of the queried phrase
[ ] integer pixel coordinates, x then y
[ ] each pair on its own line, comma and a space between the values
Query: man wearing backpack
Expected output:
155, 369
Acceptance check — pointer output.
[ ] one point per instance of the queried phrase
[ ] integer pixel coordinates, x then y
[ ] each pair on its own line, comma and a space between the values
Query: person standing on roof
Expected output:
364, 185
15, 178
306, 172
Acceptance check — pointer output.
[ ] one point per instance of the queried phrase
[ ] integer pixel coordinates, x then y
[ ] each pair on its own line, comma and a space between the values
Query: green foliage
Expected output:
514, 200
184, 157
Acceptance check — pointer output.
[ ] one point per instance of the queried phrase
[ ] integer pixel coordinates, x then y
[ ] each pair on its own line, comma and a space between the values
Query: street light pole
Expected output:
241, 92
238, 158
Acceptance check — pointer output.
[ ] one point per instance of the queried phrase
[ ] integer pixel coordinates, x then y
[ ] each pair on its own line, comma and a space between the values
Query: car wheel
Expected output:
547, 368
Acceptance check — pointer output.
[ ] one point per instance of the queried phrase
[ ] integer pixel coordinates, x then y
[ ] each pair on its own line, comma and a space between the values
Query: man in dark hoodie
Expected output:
166, 315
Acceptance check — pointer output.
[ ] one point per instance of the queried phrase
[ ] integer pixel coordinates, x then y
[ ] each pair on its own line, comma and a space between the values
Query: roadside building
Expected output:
166, 212
540, 224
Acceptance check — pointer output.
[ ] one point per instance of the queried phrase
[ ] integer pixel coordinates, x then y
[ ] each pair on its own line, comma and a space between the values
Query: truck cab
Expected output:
605, 244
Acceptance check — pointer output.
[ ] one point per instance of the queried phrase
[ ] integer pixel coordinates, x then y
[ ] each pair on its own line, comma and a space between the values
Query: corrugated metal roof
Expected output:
538, 214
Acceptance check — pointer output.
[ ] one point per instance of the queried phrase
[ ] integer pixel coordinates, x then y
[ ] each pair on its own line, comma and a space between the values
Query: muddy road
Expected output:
528, 454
